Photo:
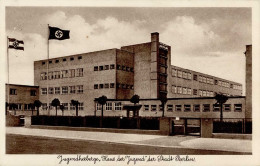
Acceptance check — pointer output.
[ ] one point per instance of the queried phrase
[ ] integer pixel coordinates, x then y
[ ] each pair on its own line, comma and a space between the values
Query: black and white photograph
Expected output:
147, 83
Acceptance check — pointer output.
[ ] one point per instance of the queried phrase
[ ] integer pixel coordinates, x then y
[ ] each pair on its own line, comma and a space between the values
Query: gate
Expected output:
186, 126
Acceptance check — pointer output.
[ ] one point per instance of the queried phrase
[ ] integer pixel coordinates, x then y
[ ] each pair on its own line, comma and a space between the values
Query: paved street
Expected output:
44, 141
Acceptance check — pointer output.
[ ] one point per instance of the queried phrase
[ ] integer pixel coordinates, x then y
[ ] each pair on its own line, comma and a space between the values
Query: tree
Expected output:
163, 101
62, 108
221, 99
102, 100
76, 104
135, 99
37, 104
55, 103
31, 106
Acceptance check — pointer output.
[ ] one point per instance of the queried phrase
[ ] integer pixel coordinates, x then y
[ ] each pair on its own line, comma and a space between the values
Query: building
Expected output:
20, 99
248, 55
144, 69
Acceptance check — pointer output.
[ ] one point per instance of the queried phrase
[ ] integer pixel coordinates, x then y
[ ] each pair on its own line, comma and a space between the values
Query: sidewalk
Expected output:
141, 139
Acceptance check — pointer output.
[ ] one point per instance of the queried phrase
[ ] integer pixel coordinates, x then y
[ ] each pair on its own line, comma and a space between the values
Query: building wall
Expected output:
232, 114
21, 94
248, 55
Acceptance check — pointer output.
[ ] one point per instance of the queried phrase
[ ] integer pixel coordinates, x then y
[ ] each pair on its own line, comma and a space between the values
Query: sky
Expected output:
207, 40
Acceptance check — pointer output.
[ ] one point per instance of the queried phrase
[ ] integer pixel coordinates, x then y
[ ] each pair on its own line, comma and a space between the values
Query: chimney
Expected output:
155, 37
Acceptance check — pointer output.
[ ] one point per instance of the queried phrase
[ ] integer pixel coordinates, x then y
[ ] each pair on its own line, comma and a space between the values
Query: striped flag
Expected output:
15, 44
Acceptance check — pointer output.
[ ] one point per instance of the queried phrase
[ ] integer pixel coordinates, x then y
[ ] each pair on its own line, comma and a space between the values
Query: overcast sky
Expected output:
208, 40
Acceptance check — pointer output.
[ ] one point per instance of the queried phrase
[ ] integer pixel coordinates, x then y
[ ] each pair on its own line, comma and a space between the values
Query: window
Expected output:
118, 106
146, 107
200, 92
112, 85
108, 106
216, 107
64, 90
131, 86
95, 86
204, 79
44, 76
216, 82
179, 73
184, 91
211, 94
95, 68
178, 107
208, 93
112, 66
127, 68
118, 67
57, 90
195, 92
123, 86
98, 106
50, 62
64, 73
123, 68
196, 107
106, 67
184, 75
170, 108
106, 86
72, 73
101, 68
79, 57
127, 86
50, 90
101, 86
72, 89
153, 107
189, 91
179, 90
44, 91
33, 92
204, 93
200, 78
195, 77
81, 106
65, 106
206, 107
189, 76
72, 107
174, 72
118, 85
44, 106
72, 58
13, 92
132, 69
80, 89
187, 107
227, 107
43, 63
80, 72
57, 75
64, 59
160, 108
174, 89
238, 107
50, 75
57, 61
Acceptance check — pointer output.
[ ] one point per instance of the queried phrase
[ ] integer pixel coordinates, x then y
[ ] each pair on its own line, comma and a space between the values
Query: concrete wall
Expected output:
12, 120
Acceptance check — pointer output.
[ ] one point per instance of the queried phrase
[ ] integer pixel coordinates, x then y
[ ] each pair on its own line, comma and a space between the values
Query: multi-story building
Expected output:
144, 69
22, 97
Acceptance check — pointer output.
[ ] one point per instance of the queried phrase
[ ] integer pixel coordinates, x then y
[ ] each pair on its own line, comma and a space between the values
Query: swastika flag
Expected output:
15, 44
58, 34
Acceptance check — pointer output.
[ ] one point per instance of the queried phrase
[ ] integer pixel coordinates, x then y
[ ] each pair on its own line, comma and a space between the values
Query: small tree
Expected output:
62, 109
55, 103
31, 106
135, 99
221, 99
102, 100
37, 104
76, 104
163, 101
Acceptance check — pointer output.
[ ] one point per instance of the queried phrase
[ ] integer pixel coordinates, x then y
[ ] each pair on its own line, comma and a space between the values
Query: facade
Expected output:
248, 55
144, 69
23, 96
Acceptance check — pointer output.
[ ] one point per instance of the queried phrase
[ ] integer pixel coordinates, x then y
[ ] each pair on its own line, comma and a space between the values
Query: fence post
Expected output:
165, 125
206, 128
27, 121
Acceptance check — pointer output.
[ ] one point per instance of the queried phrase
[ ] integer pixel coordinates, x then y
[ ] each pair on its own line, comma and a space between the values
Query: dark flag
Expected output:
58, 34
15, 44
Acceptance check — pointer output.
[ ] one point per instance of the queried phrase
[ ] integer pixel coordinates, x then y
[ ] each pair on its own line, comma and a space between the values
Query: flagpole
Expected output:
48, 106
8, 91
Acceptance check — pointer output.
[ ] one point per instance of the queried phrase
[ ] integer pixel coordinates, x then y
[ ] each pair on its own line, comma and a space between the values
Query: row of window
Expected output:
112, 66
14, 92
62, 74
63, 59
109, 106
112, 85
196, 107
203, 79
67, 106
63, 90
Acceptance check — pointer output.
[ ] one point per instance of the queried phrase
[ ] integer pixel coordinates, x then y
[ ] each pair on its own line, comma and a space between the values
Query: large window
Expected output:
216, 107
179, 73
170, 107
64, 73
206, 107
108, 106
178, 108
80, 88
118, 106
44, 91
146, 107
227, 107
65, 106
44, 76
187, 107
64, 90
179, 90
80, 72
13, 91
153, 107
184, 91
238, 107
72, 73
196, 107
184, 75
195, 92
50, 75
195, 77
189, 76
33, 92
50, 90
57, 75
57, 90
81, 106
174, 89
98, 106
72, 89
72, 107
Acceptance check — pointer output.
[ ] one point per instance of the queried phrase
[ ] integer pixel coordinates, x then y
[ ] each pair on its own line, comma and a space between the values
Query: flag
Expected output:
58, 34
15, 44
